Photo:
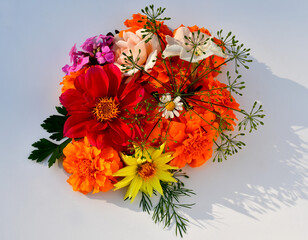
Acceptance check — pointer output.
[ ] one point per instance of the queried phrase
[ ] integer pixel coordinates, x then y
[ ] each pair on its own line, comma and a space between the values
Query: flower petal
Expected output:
133, 188
123, 183
97, 82
114, 75
154, 181
73, 101
75, 125
151, 61
126, 171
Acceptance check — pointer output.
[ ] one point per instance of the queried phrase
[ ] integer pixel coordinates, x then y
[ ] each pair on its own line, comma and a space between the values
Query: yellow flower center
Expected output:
170, 106
106, 109
146, 170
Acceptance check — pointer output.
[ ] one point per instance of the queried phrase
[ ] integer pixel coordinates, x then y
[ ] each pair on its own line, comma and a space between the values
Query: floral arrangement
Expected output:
140, 104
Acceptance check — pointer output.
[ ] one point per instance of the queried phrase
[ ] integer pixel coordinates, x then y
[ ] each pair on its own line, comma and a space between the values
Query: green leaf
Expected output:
45, 148
61, 110
55, 124
58, 153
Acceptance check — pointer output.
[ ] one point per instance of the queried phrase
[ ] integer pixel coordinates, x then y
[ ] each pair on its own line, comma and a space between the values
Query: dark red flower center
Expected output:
106, 109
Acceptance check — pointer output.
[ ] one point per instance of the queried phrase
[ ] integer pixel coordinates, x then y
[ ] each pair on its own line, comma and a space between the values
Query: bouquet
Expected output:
138, 105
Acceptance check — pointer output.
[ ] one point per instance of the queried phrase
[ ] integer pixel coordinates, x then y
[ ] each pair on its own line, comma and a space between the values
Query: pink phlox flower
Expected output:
96, 50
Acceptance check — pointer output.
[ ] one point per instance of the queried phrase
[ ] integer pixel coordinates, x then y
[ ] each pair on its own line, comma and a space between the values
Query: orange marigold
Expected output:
91, 168
196, 149
164, 74
222, 101
191, 139
139, 21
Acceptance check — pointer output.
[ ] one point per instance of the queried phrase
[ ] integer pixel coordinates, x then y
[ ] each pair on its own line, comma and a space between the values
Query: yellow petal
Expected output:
165, 167
166, 155
165, 176
148, 154
156, 154
154, 181
126, 171
129, 160
133, 188
123, 183
147, 188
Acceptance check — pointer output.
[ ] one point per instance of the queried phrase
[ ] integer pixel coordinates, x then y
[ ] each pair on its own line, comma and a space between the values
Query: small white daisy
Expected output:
170, 108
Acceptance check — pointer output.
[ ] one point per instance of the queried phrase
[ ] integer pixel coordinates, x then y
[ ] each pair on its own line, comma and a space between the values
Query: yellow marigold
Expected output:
91, 168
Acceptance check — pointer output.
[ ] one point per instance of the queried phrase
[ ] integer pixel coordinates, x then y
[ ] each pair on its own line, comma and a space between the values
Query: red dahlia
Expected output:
99, 107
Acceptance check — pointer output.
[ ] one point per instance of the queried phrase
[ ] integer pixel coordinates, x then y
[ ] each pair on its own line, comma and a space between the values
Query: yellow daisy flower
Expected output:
144, 171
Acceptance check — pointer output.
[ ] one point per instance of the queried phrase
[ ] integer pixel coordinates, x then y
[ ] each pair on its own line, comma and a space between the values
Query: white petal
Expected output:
140, 32
163, 98
131, 72
171, 114
217, 50
151, 61
211, 48
179, 108
166, 113
168, 97
177, 99
155, 43
186, 56
172, 50
181, 33
176, 113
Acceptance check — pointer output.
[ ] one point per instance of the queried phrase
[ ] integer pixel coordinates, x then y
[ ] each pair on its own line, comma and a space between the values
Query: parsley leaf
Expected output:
46, 148
55, 123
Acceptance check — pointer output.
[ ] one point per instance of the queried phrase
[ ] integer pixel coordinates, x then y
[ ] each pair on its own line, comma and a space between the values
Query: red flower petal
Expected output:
76, 125
95, 126
97, 82
73, 101
114, 75
133, 97
128, 88
79, 83
98, 139
120, 128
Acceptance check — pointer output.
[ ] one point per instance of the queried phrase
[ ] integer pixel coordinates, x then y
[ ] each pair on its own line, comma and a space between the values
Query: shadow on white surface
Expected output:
272, 170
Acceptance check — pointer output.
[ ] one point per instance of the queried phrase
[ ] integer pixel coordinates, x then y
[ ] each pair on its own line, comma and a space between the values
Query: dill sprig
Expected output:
252, 119
228, 146
168, 209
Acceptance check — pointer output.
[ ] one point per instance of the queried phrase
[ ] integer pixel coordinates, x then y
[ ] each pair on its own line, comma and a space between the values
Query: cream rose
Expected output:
146, 52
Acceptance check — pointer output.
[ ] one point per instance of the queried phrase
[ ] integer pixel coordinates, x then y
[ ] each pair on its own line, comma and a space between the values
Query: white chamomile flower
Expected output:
169, 107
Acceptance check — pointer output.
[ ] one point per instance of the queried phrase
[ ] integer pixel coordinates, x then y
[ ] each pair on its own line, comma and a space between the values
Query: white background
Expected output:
261, 193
